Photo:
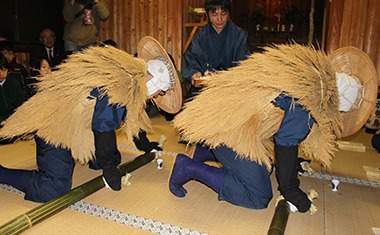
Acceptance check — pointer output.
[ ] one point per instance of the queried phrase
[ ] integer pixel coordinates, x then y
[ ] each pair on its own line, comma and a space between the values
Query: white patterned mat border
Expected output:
132, 220
121, 217
343, 179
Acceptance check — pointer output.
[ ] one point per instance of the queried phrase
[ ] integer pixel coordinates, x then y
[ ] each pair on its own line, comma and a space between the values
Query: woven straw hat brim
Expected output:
354, 62
148, 49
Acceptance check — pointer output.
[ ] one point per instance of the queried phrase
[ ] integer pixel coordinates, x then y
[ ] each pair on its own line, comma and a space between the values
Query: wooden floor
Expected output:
147, 207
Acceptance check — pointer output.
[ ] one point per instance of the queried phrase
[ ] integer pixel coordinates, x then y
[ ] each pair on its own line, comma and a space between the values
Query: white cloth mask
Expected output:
161, 78
348, 89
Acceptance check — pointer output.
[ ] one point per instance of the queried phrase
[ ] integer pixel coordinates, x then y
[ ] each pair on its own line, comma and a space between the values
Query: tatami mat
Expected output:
147, 207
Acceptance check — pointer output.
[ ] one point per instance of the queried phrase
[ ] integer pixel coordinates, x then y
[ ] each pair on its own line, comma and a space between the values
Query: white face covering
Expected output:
161, 77
349, 92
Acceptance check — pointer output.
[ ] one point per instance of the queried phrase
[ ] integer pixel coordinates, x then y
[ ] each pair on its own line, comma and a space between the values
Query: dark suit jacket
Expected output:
37, 52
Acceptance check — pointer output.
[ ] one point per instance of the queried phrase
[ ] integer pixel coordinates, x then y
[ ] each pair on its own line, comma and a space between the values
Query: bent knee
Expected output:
47, 190
54, 193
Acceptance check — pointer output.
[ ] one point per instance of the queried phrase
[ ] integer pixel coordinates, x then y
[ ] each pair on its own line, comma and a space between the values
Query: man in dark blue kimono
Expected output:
219, 45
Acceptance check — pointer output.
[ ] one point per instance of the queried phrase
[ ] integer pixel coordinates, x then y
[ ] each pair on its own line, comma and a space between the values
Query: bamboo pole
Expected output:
280, 218
42, 212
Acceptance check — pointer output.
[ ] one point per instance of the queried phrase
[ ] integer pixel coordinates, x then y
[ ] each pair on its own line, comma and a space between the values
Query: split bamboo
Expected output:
280, 218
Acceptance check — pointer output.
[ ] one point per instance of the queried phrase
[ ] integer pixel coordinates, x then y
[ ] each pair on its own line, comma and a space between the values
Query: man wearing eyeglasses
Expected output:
48, 49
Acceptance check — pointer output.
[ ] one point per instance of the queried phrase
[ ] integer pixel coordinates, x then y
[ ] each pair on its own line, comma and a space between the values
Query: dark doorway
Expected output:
280, 21
22, 20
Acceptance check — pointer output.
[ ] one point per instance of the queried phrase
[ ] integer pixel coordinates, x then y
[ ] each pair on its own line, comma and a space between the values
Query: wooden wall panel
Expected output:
371, 40
130, 20
355, 23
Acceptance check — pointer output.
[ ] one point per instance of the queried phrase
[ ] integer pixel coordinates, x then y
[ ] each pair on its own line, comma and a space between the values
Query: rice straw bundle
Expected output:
235, 109
61, 112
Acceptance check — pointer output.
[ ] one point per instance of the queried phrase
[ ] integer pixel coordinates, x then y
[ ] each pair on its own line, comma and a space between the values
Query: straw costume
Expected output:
74, 116
61, 112
270, 107
298, 71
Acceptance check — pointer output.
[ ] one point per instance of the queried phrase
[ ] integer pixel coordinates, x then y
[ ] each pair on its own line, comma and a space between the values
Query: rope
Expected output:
29, 220
311, 17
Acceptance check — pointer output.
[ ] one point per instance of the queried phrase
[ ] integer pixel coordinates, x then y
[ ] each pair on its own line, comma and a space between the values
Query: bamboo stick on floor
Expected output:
42, 212
280, 218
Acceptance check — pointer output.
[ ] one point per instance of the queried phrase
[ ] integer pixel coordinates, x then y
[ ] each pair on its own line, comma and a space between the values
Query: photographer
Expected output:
82, 23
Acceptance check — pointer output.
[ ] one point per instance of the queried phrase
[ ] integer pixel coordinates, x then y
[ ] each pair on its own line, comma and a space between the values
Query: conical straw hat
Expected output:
149, 49
354, 62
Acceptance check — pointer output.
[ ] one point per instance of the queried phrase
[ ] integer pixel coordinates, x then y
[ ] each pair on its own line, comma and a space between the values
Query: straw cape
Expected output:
235, 109
61, 111
150, 49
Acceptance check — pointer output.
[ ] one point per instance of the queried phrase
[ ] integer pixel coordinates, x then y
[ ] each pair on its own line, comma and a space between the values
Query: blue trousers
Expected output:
54, 175
246, 183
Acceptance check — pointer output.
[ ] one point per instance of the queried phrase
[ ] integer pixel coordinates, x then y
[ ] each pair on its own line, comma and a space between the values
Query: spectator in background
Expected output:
16, 71
44, 67
82, 23
40, 68
219, 45
48, 48
11, 93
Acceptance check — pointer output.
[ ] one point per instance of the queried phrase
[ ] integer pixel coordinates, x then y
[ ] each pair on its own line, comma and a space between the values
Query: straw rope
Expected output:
61, 112
234, 108
29, 220
311, 24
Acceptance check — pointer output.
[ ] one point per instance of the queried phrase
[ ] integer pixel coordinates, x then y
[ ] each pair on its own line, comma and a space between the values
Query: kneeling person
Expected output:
75, 112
